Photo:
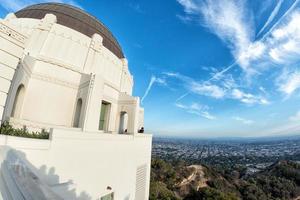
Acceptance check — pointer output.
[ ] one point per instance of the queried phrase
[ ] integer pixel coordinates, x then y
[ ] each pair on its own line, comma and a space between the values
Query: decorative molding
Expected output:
55, 81
70, 37
58, 63
12, 33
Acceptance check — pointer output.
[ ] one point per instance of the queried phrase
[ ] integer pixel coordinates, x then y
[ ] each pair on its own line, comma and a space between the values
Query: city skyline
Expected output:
208, 68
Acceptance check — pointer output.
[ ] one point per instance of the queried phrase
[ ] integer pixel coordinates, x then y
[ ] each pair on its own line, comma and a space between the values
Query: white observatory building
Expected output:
62, 70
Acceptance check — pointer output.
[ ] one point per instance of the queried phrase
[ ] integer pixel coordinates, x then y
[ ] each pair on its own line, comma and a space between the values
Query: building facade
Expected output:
62, 70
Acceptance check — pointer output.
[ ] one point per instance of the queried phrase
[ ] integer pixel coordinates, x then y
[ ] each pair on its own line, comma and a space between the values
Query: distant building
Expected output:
62, 70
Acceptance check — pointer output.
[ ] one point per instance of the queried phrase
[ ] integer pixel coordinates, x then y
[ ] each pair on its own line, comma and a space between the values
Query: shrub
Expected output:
7, 129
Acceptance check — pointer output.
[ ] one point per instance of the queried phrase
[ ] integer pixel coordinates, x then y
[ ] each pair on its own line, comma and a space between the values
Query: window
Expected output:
104, 115
77, 113
108, 197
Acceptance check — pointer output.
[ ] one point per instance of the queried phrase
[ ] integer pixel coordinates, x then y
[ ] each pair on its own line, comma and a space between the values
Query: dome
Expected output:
76, 19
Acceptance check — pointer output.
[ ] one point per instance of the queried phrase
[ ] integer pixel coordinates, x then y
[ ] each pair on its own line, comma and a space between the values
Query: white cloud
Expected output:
231, 22
227, 89
295, 117
182, 96
244, 121
289, 82
248, 98
186, 18
279, 21
137, 8
254, 51
286, 129
207, 115
271, 17
284, 42
263, 89
161, 81
189, 6
15, 5
207, 90
153, 80
196, 109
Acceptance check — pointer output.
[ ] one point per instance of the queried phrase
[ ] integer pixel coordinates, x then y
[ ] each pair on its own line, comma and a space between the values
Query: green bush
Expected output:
7, 129
159, 191
210, 194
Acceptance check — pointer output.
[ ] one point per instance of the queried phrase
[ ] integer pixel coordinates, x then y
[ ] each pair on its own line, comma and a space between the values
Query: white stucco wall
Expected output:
11, 50
92, 161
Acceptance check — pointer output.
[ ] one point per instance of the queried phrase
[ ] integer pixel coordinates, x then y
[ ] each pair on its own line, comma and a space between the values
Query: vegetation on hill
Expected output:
178, 181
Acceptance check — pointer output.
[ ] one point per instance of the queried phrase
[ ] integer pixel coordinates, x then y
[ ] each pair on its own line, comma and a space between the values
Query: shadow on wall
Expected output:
22, 179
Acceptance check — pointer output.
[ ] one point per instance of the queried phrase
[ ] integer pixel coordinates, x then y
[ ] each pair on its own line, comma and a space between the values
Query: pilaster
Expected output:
93, 104
40, 34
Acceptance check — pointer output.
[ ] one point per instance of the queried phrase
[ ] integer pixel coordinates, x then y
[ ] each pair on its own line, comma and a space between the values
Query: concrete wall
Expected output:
92, 161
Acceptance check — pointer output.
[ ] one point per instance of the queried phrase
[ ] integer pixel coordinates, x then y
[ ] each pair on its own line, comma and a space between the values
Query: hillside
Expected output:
176, 181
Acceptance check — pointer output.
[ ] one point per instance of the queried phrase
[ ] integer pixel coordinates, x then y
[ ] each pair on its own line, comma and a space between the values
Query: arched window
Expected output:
123, 123
18, 102
77, 113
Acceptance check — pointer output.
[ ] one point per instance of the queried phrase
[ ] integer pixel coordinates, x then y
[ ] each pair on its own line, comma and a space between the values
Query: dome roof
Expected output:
76, 19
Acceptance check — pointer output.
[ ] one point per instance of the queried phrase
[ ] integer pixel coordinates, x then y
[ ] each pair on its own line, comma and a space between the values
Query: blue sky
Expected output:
208, 68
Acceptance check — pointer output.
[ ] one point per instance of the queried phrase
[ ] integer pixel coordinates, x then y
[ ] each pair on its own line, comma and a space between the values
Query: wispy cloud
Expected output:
271, 17
248, 98
196, 109
137, 8
287, 128
232, 22
200, 88
187, 19
295, 117
284, 42
152, 81
225, 89
207, 89
15, 5
244, 121
229, 20
289, 82
190, 6
278, 22
182, 96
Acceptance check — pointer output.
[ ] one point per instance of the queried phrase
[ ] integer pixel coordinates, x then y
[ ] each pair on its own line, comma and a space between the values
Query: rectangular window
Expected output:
104, 115
108, 197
